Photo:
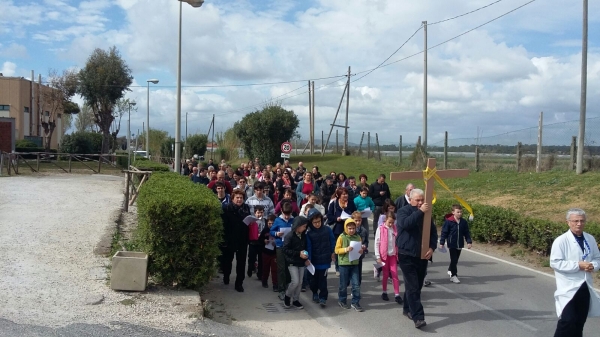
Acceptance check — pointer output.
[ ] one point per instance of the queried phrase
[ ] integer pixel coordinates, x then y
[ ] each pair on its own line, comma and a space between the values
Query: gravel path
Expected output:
49, 275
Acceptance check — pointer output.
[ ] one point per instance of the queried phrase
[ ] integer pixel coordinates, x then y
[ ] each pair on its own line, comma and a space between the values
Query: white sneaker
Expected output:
449, 273
454, 279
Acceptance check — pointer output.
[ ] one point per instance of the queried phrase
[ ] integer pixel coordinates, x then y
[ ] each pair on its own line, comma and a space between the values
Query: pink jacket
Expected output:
383, 241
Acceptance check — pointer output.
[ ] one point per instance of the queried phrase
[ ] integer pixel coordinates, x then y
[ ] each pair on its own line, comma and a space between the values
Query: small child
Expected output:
306, 210
456, 230
269, 262
387, 254
284, 221
364, 235
388, 206
348, 269
313, 200
254, 247
321, 247
296, 256
362, 202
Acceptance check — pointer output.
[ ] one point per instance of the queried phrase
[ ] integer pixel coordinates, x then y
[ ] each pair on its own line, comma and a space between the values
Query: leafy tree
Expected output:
156, 139
121, 108
56, 101
166, 148
82, 143
85, 120
262, 132
103, 82
196, 144
228, 144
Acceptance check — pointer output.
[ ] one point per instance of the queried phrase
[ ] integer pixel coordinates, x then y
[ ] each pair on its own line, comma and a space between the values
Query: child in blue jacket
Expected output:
321, 252
456, 231
284, 221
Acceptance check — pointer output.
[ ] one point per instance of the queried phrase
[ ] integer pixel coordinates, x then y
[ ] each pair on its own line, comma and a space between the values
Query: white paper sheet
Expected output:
285, 230
377, 265
354, 253
311, 269
249, 219
345, 216
270, 245
442, 250
366, 213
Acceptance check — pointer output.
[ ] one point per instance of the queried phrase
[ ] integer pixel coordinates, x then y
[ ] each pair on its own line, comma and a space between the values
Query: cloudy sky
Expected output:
492, 80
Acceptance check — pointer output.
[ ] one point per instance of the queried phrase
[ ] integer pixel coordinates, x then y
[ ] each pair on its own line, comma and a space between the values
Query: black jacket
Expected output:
374, 190
456, 233
326, 192
293, 245
353, 193
409, 223
322, 242
264, 235
401, 201
235, 231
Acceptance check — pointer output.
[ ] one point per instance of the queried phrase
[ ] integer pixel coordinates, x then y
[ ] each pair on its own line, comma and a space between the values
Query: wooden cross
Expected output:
418, 175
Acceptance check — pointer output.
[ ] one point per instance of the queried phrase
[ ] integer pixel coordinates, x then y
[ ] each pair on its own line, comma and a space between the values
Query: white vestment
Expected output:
564, 259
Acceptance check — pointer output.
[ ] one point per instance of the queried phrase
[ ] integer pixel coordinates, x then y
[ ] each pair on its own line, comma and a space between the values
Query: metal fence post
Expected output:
476, 158
519, 155
446, 150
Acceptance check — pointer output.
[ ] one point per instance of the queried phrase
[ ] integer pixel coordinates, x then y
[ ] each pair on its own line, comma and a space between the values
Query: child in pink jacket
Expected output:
387, 255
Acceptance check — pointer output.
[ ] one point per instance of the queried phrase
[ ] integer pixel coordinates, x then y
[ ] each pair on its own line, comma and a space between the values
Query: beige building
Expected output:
23, 101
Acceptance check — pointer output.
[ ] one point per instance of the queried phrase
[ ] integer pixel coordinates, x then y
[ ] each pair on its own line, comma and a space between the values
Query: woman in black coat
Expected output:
235, 238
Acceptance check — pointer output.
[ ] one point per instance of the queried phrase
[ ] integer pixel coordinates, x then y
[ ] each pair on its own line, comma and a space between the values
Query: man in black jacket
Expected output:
404, 199
379, 191
235, 239
410, 231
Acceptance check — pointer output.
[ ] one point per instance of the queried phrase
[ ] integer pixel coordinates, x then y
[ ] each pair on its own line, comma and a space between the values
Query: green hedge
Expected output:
151, 166
181, 234
493, 224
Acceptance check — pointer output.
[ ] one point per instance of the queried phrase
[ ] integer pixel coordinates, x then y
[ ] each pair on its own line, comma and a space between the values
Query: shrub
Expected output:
493, 224
146, 165
181, 234
82, 143
21, 143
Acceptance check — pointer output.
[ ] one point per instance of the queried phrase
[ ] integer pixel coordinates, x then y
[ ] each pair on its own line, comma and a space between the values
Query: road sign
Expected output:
285, 155
286, 147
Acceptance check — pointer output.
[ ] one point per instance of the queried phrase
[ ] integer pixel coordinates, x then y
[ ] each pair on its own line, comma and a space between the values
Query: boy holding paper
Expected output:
282, 226
348, 250
321, 246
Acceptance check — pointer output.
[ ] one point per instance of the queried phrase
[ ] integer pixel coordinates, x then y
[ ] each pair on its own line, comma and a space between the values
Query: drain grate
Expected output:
276, 308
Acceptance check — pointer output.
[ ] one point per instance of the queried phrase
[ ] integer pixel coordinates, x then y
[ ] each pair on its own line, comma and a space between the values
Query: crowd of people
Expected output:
291, 224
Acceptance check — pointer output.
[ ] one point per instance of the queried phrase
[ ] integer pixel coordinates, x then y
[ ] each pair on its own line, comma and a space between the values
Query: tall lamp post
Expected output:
177, 166
129, 135
155, 81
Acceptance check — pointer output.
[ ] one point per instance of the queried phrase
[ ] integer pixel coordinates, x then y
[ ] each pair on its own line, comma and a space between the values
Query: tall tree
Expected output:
85, 120
103, 82
56, 101
121, 108
196, 144
262, 132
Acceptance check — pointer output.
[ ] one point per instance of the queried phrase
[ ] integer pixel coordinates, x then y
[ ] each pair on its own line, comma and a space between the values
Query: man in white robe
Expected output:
574, 257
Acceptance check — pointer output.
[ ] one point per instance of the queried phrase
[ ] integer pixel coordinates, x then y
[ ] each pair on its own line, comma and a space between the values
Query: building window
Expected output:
26, 109
4, 107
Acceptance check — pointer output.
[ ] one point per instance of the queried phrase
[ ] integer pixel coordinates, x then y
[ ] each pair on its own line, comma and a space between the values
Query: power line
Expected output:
384, 61
453, 38
464, 14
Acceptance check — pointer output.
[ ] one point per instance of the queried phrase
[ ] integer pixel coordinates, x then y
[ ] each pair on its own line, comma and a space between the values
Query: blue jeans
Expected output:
349, 275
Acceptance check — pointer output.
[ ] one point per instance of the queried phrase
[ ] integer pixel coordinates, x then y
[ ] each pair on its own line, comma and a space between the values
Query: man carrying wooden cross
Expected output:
417, 237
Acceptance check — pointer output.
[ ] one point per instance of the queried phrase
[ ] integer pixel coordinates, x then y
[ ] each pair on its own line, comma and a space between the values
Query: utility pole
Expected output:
347, 109
146, 135
186, 135
312, 128
424, 144
310, 135
212, 147
582, 104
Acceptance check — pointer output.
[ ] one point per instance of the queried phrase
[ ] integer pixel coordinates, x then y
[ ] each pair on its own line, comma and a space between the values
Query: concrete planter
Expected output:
129, 271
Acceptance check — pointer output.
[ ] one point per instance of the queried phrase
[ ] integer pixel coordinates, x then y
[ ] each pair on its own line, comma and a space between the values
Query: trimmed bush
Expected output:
180, 233
146, 165
82, 143
25, 143
499, 225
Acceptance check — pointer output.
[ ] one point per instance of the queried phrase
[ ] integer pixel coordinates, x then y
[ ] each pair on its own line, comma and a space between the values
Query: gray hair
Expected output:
575, 211
410, 185
416, 192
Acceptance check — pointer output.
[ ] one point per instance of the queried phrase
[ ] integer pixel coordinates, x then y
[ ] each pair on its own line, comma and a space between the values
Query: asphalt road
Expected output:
493, 299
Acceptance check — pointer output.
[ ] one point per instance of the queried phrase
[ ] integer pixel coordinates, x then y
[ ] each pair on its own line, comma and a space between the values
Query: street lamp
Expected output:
177, 166
129, 135
155, 81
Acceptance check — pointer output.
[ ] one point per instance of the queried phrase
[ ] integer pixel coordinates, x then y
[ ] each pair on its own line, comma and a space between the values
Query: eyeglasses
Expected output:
577, 221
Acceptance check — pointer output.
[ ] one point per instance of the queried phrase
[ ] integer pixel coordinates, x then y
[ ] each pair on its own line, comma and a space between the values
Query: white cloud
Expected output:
8, 69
